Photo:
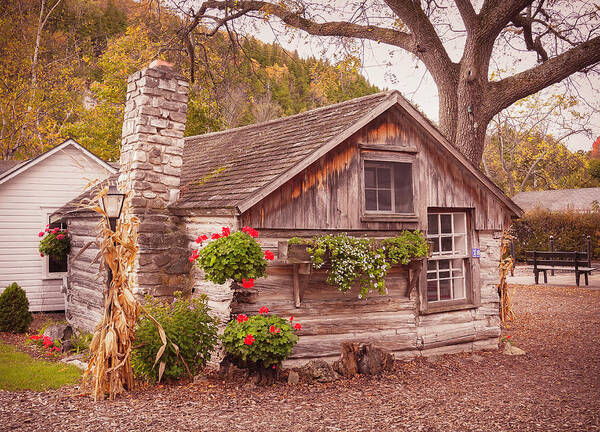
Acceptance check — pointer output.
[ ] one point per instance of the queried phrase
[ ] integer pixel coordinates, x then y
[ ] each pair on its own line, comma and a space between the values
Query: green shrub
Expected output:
187, 324
261, 340
533, 231
14, 310
235, 256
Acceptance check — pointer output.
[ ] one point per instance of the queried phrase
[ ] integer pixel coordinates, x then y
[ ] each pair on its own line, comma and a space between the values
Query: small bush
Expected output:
187, 324
81, 341
261, 340
533, 231
14, 310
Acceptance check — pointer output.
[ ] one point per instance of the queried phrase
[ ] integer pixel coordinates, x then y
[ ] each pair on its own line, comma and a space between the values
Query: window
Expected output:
57, 265
388, 187
52, 268
447, 232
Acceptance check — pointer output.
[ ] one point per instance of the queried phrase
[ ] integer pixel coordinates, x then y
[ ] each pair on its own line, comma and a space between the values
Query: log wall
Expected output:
86, 280
392, 321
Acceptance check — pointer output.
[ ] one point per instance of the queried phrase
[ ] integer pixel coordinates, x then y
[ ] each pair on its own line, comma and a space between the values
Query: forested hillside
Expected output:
64, 65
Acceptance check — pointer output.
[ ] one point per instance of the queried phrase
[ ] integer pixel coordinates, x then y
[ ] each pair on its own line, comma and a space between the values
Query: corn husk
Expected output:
506, 265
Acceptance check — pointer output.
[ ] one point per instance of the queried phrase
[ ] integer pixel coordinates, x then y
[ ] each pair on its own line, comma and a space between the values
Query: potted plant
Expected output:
55, 243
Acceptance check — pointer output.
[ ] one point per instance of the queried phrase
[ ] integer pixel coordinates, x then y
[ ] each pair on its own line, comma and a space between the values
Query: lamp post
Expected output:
112, 204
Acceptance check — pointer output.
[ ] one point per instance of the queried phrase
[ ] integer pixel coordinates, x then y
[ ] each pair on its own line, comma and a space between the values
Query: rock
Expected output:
510, 349
73, 360
59, 331
319, 370
293, 378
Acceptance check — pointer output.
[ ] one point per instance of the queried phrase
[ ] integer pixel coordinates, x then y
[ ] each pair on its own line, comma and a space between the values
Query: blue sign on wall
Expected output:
476, 253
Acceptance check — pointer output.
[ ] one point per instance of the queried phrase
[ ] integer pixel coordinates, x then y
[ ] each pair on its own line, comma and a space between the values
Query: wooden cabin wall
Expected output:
86, 278
326, 196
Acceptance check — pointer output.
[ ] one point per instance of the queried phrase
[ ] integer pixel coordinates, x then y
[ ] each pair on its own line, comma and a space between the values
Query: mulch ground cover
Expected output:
555, 387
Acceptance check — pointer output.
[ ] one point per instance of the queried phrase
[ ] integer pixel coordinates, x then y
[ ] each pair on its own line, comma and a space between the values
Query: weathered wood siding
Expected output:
327, 195
26, 201
329, 317
87, 277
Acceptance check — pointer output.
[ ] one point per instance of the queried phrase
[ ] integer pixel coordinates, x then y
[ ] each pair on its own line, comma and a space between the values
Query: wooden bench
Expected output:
578, 262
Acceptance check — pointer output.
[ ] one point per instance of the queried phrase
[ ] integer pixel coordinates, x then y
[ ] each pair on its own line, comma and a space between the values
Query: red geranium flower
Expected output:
291, 318
198, 239
41, 254
278, 330
60, 236
508, 337
263, 310
41, 234
269, 255
250, 231
297, 326
242, 318
249, 340
204, 237
215, 236
55, 230
272, 329
247, 283
225, 231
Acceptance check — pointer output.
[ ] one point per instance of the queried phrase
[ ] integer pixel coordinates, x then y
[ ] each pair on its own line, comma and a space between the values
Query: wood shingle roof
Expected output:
223, 169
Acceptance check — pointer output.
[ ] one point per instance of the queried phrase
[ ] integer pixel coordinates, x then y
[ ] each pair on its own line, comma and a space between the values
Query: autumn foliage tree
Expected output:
526, 146
563, 37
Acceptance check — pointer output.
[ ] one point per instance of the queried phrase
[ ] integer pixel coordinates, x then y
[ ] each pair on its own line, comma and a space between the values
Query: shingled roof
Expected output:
236, 168
223, 169
558, 200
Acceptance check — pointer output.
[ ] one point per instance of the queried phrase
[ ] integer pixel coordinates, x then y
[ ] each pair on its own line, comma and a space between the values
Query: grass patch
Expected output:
20, 371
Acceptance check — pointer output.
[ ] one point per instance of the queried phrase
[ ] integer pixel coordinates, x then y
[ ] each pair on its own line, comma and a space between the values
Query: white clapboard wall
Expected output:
27, 197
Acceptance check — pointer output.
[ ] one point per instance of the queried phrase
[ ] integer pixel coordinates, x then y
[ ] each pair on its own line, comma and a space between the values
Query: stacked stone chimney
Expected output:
151, 161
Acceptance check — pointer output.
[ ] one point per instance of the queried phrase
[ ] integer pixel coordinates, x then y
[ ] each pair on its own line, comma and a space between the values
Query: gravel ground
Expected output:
556, 386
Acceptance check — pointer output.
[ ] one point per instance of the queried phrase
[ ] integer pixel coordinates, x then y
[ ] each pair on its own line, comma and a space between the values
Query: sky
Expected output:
389, 67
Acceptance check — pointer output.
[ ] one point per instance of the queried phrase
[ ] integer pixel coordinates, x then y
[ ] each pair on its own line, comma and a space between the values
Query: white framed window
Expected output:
446, 277
388, 187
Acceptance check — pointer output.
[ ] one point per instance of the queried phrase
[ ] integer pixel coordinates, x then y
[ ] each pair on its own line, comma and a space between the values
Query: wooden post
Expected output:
296, 286
552, 250
588, 248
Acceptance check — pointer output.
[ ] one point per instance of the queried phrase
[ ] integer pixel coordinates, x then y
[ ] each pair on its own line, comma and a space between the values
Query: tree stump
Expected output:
364, 359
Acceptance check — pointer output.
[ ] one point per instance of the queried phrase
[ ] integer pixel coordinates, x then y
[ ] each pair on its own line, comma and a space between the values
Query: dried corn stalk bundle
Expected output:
506, 265
109, 371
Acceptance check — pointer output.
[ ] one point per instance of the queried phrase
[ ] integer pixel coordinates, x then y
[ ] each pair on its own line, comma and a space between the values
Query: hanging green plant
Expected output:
363, 260
55, 243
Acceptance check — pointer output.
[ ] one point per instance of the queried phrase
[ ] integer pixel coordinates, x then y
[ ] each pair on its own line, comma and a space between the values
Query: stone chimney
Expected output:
151, 160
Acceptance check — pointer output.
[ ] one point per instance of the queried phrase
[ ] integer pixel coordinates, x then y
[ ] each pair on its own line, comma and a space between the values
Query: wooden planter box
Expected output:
297, 255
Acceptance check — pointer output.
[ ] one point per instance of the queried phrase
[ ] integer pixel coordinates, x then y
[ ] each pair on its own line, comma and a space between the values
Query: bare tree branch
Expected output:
513, 88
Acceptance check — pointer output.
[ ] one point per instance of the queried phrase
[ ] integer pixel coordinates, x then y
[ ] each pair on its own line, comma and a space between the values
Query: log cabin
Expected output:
368, 167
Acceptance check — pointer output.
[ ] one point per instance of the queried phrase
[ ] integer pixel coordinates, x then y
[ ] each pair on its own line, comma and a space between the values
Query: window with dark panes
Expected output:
388, 187
447, 234
56, 265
